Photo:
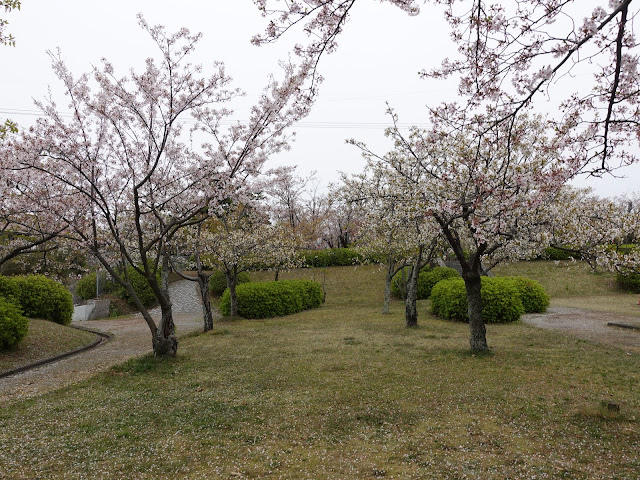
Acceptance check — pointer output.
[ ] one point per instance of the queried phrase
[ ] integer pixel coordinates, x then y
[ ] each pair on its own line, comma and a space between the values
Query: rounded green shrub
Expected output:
86, 287
13, 325
534, 298
427, 278
8, 287
218, 281
449, 299
273, 299
140, 286
501, 301
629, 281
41, 297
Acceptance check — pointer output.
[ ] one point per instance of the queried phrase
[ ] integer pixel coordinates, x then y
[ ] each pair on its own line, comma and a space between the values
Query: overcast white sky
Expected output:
380, 54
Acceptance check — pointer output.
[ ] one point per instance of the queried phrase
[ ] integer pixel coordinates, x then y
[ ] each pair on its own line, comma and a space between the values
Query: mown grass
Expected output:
44, 340
341, 392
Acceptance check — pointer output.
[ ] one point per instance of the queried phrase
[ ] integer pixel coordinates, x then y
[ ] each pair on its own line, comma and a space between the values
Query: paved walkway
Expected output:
131, 338
589, 325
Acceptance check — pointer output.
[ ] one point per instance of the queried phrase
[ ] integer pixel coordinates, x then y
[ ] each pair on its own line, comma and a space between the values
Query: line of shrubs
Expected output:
33, 296
273, 299
504, 299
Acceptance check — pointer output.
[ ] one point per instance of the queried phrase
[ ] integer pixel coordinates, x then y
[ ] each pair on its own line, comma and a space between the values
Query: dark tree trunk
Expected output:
478, 332
472, 275
232, 279
203, 284
164, 341
410, 303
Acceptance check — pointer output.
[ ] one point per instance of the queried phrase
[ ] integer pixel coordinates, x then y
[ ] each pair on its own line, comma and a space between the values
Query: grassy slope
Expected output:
341, 392
44, 340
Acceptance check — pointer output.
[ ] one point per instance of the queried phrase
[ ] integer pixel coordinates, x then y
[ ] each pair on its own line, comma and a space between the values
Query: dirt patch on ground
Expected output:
589, 325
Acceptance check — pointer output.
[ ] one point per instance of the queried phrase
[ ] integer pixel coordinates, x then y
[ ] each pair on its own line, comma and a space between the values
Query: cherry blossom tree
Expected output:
393, 229
512, 54
601, 231
8, 126
132, 178
493, 201
242, 238
29, 230
287, 194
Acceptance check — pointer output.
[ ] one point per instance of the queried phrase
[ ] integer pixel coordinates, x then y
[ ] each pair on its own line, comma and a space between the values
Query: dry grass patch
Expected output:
44, 340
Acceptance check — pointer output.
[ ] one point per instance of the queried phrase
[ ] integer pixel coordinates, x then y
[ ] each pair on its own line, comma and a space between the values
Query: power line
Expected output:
302, 124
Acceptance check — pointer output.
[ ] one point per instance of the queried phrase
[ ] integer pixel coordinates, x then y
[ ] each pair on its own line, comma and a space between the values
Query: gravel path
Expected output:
589, 325
131, 338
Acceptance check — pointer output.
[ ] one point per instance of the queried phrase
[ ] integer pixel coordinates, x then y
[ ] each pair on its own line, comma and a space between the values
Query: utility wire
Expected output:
302, 124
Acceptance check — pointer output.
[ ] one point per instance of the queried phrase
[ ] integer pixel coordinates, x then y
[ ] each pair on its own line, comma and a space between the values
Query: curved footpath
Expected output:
130, 338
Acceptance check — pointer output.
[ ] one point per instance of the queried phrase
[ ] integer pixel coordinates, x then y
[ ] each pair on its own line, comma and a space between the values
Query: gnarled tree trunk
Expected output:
478, 332
203, 287
410, 303
164, 340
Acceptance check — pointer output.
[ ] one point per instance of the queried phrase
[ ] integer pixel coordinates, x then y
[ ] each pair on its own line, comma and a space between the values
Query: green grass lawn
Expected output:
341, 392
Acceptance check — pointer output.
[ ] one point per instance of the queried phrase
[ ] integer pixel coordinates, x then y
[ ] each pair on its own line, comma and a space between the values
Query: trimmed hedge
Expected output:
273, 299
426, 281
501, 301
331, 257
534, 298
86, 287
218, 281
41, 297
13, 326
629, 282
